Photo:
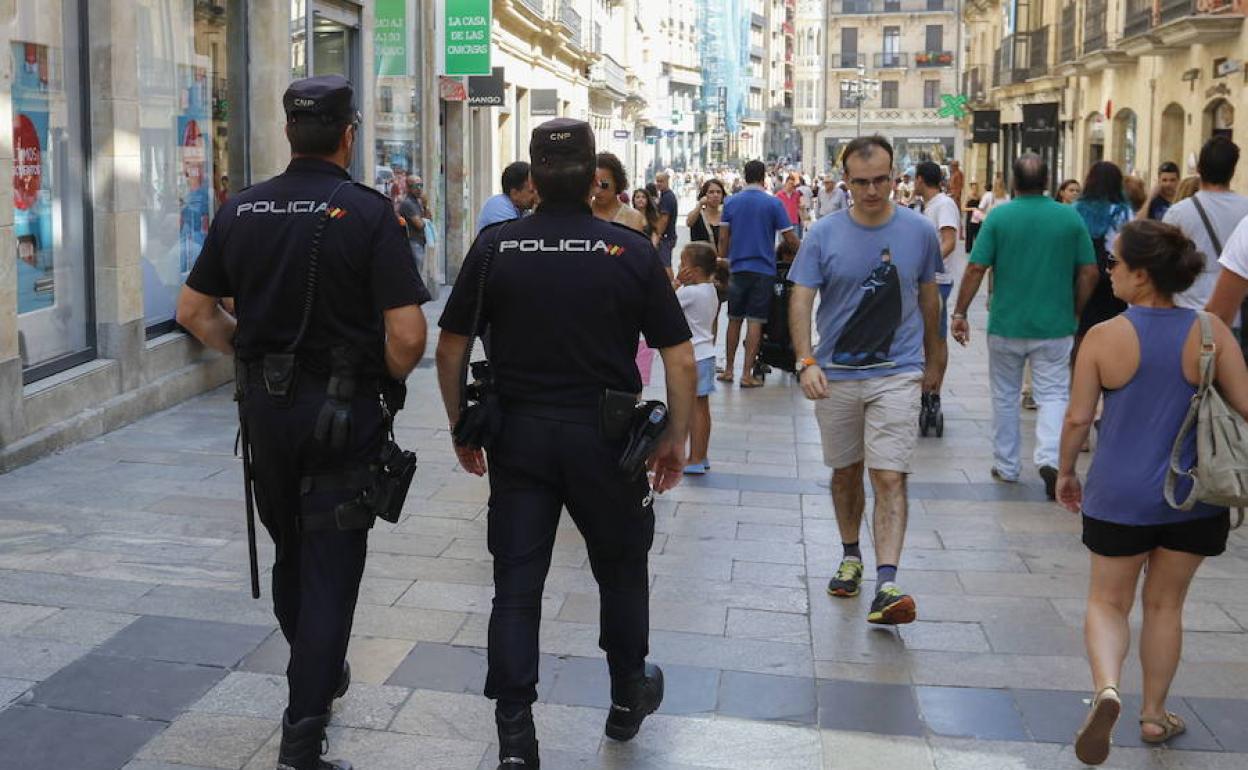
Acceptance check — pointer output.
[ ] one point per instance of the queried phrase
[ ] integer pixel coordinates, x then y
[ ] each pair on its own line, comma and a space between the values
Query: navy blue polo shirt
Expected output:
567, 297
257, 251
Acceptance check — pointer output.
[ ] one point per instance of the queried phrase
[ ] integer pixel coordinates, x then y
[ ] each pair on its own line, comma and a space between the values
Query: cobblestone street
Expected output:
128, 639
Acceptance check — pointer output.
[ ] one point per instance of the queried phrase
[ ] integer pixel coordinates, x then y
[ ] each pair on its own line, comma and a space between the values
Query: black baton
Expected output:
245, 450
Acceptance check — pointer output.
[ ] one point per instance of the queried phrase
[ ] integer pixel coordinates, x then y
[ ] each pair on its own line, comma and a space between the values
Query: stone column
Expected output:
10, 363
116, 169
268, 27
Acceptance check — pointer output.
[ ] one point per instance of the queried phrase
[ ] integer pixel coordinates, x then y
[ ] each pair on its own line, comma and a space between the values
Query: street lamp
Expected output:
859, 90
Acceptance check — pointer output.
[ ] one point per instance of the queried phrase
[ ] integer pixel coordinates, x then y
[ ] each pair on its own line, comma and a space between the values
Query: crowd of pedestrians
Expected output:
1097, 290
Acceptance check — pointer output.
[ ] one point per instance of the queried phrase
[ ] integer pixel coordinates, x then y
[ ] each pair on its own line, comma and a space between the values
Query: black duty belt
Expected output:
575, 413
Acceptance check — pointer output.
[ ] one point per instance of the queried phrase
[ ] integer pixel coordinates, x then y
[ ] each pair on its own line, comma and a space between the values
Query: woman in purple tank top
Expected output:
1144, 364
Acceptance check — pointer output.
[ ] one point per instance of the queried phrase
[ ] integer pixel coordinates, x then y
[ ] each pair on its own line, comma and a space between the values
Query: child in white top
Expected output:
700, 302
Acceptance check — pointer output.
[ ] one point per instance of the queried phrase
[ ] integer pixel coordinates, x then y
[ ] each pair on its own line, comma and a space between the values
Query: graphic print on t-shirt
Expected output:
868, 336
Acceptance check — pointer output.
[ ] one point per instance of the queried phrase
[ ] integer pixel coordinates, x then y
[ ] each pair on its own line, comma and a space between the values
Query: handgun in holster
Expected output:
650, 420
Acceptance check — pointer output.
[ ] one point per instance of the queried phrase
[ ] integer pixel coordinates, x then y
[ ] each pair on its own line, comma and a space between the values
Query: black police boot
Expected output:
302, 745
345, 682
517, 741
632, 701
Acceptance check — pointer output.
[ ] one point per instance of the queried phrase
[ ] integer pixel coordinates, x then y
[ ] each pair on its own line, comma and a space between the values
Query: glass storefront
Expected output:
185, 99
54, 313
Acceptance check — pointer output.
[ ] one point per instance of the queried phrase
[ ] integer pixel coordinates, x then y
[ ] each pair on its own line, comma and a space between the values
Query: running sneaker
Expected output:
892, 608
847, 579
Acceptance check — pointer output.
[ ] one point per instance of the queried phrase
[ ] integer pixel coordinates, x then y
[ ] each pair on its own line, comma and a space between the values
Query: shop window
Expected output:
50, 226
190, 138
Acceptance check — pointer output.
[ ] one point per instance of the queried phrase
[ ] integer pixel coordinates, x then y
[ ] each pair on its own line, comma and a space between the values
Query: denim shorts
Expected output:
750, 296
706, 376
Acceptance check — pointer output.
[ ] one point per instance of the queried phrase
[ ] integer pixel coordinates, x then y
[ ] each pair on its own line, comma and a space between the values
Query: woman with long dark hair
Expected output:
1104, 209
703, 221
643, 201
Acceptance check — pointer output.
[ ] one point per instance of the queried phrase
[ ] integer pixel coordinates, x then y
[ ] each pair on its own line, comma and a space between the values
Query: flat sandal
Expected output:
1171, 726
1093, 739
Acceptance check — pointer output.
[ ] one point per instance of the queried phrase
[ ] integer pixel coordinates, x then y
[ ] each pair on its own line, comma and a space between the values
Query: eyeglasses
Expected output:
604, 185
880, 182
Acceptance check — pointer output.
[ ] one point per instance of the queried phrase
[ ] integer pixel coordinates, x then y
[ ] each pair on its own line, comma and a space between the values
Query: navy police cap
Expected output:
328, 97
562, 139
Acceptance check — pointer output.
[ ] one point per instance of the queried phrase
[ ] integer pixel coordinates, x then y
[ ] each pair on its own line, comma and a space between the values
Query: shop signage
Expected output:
621, 134
954, 106
986, 126
1040, 124
389, 40
1224, 67
486, 91
544, 102
464, 42
451, 90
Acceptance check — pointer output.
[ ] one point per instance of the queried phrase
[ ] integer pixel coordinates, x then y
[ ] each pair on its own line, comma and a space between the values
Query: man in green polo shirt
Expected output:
1045, 270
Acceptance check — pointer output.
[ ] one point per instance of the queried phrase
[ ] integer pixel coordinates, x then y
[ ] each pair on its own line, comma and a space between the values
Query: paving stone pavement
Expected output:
128, 638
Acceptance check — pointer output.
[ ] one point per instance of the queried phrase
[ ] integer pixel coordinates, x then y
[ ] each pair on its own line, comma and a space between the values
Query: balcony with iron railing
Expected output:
1038, 52
1095, 26
928, 59
846, 61
891, 60
1069, 50
609, 74
570, 18
871, 7
1011, 60
1140, 16
1138, 19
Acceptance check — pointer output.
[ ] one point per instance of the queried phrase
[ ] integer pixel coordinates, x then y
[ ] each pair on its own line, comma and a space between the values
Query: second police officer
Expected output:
328, 314
564, 297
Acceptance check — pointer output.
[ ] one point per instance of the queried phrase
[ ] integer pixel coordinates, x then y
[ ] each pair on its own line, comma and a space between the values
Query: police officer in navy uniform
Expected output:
363, 329
566, 297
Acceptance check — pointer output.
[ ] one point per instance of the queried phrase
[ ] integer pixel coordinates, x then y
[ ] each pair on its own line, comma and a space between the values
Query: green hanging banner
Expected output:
465, 38
389, 38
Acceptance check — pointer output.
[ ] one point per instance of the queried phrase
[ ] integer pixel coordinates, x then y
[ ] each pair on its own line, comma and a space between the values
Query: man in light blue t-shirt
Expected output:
874, 268
747, 239
516, 199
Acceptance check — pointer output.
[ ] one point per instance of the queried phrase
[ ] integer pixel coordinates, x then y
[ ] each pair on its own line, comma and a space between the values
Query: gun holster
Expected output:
482, 419
333, 423
649, 423
382, 489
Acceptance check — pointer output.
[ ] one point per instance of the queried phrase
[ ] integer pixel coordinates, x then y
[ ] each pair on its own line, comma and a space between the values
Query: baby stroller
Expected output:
776, 350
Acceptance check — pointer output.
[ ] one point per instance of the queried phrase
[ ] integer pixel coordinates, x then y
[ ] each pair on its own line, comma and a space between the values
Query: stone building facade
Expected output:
908, 52
1138, 83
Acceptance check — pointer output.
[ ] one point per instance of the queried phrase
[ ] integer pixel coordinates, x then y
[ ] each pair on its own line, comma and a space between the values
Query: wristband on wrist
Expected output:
958, 316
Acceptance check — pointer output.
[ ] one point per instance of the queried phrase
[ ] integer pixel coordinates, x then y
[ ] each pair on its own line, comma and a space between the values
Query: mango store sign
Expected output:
464, 37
